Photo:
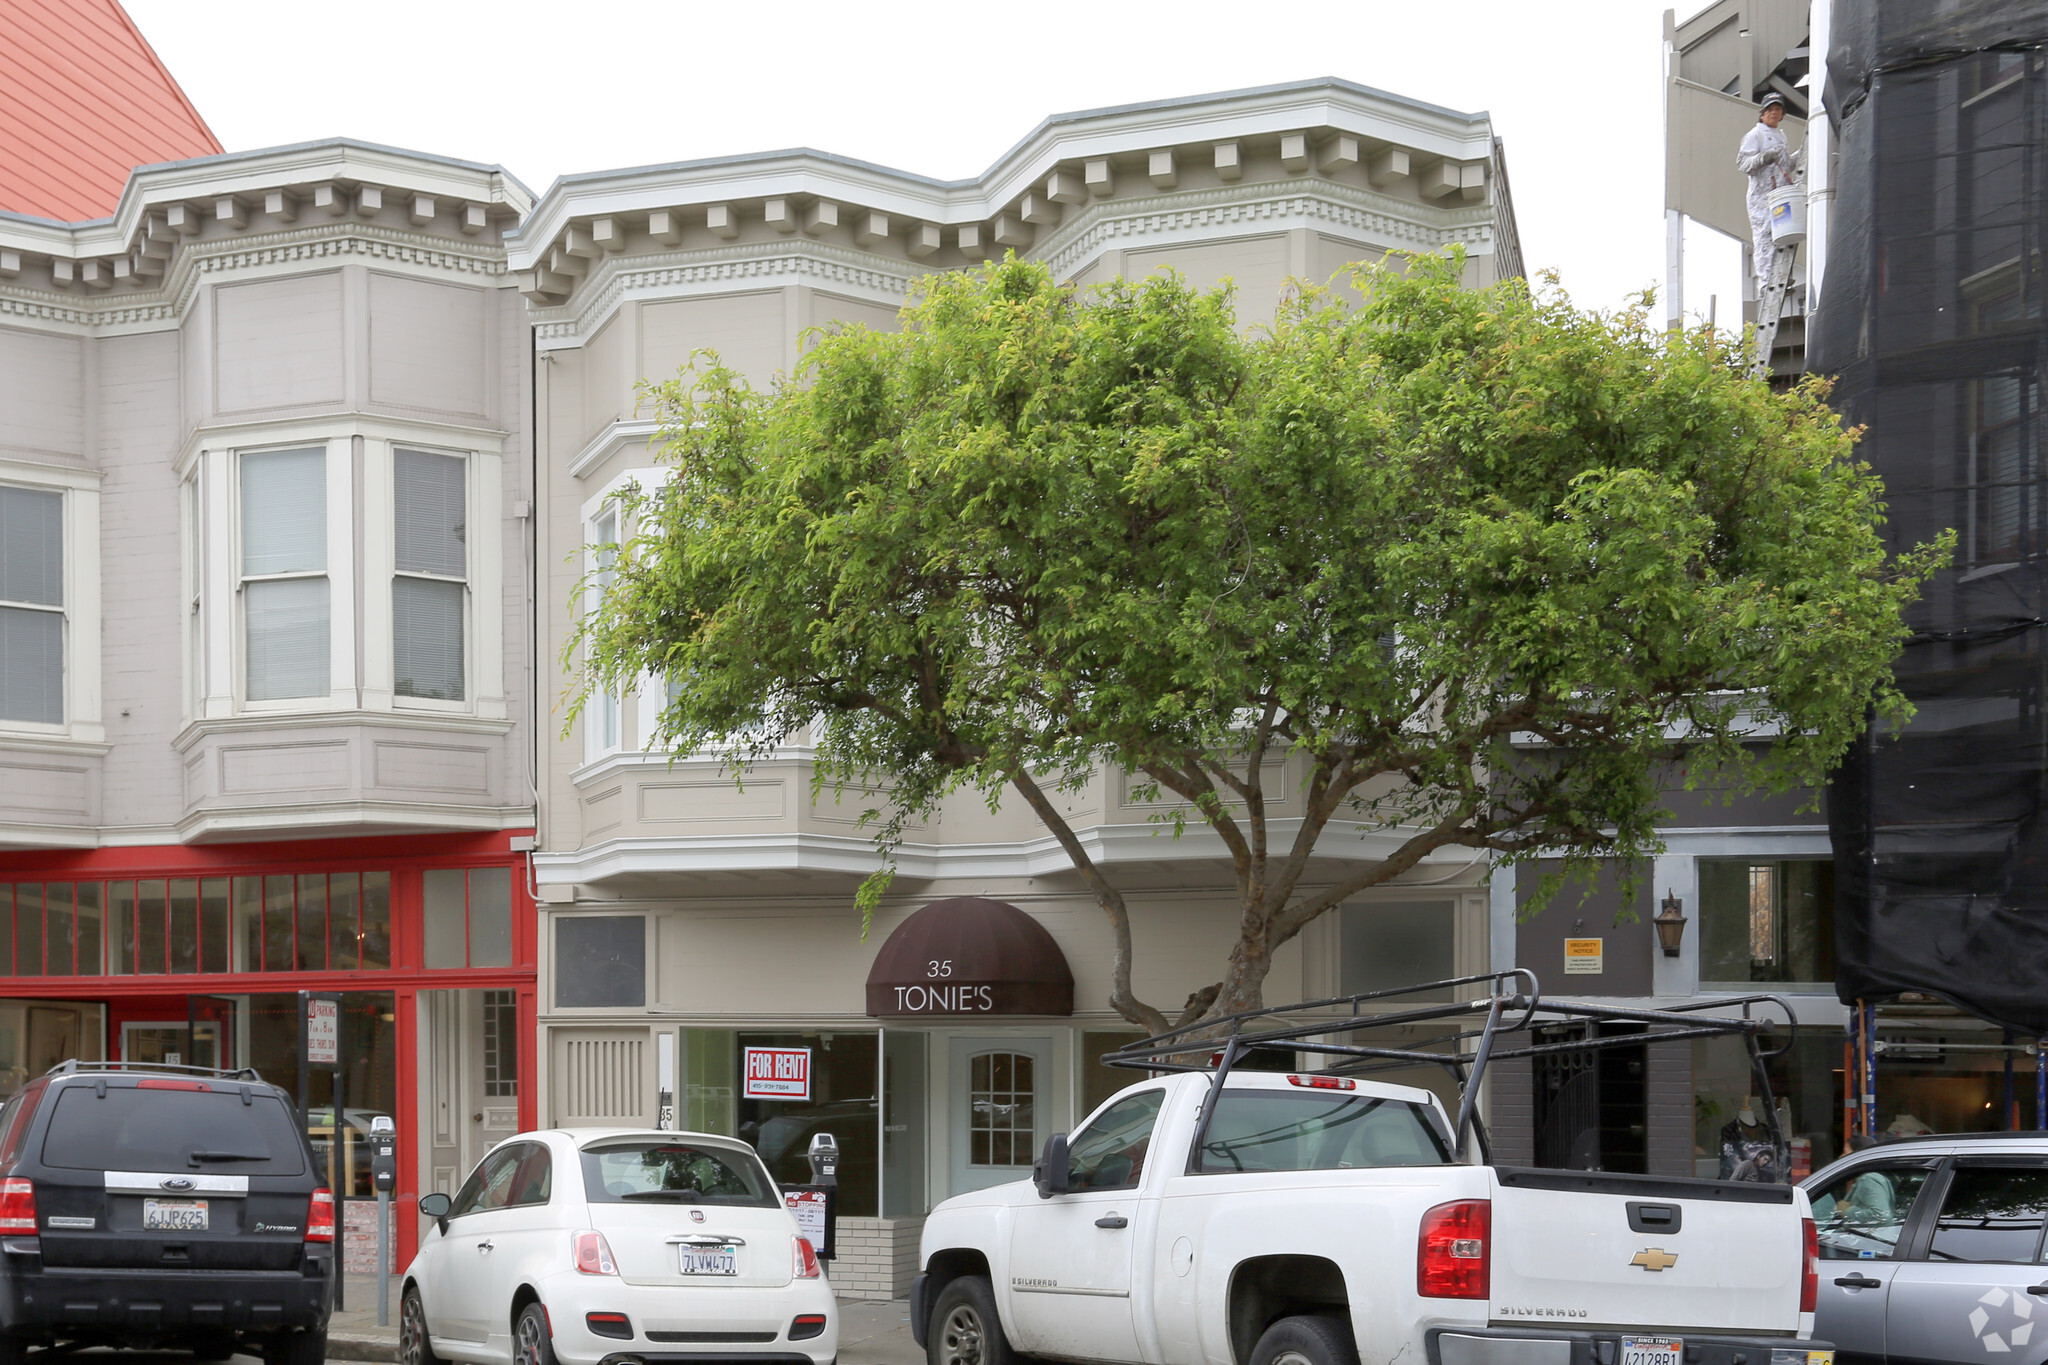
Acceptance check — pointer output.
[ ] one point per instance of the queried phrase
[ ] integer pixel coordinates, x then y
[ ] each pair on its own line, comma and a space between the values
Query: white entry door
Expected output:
1001, 1089
471, 1044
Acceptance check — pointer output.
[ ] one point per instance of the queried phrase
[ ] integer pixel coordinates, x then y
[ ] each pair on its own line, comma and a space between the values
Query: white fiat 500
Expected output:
603, 1246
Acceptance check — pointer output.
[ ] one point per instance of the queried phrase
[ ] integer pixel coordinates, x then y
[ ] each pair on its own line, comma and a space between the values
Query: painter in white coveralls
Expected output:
1770, 165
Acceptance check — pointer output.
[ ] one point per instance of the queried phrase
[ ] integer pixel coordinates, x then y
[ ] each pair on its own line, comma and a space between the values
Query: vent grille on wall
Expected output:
603, 1077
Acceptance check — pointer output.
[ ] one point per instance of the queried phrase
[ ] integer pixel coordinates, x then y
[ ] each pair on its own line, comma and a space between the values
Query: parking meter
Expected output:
824, 1156
383, 1179
383, 1154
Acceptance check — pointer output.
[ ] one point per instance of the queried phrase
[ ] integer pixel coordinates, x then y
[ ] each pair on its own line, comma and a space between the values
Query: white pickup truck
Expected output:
1325, 1220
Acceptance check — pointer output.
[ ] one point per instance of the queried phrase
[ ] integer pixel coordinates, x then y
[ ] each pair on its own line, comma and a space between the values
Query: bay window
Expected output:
604, 708
285, 592
429, 587
31, 605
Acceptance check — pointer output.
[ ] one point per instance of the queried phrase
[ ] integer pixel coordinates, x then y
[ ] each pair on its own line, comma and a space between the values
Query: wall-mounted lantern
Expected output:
1670, 924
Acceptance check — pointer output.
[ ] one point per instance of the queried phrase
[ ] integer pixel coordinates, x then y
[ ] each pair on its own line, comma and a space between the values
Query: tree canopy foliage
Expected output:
1478, 564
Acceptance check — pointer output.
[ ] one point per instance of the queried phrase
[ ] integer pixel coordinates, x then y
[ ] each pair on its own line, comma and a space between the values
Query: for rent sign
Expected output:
776, 1073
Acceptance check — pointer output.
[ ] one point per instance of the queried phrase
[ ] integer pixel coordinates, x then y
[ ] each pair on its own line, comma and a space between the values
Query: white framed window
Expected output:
604, 708
345, 564
49, 603
32, 607
430, 576
287, 622
189, 514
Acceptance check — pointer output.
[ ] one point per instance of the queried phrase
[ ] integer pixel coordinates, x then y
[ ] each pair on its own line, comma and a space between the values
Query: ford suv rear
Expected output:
162, 1207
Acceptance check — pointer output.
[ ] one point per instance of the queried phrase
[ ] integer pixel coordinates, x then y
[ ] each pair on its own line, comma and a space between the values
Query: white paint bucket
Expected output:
1788, 215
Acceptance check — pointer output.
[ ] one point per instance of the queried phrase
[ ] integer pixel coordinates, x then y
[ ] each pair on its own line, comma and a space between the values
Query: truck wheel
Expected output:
1319, 1340
964, 1327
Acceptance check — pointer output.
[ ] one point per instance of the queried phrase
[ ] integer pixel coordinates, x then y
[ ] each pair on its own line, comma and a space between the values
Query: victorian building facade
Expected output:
691, 931
265, 643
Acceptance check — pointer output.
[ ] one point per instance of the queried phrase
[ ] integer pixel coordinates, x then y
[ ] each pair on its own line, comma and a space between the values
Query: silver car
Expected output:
1931, 1250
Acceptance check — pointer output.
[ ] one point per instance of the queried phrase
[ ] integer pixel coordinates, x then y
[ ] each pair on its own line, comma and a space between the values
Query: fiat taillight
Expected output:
594, 1254
1453, 1253
804, 1260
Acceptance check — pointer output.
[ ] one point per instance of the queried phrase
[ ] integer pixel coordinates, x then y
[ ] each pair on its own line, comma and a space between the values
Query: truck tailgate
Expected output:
1596, 1247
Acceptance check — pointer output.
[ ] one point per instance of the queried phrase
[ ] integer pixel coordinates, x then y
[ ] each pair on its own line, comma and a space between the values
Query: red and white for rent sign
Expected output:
777, 1073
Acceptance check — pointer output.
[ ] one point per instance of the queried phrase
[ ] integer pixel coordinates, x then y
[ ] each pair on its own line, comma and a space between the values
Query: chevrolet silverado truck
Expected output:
1220, 1216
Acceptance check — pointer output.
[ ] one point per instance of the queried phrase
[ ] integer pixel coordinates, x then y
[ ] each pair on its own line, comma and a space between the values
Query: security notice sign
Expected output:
1582, 956
777, 1073
323, 1032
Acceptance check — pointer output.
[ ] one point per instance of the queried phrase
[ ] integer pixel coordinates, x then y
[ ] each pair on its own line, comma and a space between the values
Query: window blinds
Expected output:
288, 638
32, 572
284, 512
431, 531
426, 628
431, 520
284, 531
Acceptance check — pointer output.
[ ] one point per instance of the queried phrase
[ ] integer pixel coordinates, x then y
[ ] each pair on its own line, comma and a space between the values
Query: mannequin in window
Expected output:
1747, 1152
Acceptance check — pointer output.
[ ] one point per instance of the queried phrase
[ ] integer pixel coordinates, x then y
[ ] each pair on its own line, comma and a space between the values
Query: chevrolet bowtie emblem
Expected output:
1654, 1258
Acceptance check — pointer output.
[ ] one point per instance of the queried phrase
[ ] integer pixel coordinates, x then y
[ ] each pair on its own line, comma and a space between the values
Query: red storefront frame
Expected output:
407, 858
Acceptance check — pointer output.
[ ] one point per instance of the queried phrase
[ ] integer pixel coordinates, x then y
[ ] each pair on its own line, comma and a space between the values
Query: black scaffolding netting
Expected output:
1931, 316
1932, 322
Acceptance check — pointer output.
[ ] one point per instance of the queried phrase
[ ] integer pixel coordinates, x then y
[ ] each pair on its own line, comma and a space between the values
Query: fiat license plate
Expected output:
702, 1260
174, 1215
1652, 1350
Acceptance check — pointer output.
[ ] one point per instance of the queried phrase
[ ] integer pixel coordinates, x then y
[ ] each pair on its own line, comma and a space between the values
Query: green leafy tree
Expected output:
1481, 564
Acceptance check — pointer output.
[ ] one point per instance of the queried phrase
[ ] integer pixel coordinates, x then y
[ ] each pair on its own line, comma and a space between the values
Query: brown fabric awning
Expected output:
968, 956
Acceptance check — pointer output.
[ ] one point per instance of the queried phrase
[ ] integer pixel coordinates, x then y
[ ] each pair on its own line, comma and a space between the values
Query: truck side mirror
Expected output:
436, 1206
1051, 1174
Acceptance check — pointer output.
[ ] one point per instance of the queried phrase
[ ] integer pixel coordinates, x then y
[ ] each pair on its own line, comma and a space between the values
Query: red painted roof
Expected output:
84, 101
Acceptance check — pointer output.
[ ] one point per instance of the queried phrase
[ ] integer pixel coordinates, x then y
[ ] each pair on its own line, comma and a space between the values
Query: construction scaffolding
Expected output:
1932, 318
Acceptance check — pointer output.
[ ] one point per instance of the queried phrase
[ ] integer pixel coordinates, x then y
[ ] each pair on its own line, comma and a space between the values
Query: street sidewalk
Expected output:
870, 1333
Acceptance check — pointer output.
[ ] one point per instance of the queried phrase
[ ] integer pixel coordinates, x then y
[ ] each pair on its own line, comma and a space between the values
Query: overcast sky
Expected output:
944, 89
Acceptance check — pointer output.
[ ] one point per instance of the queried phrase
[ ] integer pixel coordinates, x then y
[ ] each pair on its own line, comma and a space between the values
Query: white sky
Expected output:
943, 89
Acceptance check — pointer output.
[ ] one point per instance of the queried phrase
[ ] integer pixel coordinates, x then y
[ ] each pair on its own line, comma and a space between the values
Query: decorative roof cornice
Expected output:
165, 304
716, 269
1331, 104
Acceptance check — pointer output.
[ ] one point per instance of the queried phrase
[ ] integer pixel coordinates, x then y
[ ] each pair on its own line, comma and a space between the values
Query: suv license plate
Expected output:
174, 1215
711, 1260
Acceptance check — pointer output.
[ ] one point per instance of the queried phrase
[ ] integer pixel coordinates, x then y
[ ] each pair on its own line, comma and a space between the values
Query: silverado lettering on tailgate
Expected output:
1519, 1311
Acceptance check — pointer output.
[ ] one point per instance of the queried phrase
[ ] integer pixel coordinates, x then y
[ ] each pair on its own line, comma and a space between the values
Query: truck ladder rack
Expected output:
1507, 1015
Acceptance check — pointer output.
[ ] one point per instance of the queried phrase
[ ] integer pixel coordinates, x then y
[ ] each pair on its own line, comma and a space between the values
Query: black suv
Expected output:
162, 1206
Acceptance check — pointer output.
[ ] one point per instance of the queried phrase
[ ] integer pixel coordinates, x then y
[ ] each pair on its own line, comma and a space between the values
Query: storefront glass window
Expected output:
1099, 1082
1386, 945
183, 926
1766, 921
709, 1059
369, 1067
904, 1065
35, 1035
1730, 1127
844, 1099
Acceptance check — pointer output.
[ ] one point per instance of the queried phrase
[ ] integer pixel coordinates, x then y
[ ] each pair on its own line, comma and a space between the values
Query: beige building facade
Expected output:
687, 924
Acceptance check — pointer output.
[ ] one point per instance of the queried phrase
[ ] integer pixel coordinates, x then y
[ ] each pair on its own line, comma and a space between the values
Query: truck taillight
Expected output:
320, 1217
806, 1260
1452, 1255
594, 1254
17, 1205
1809, 1280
